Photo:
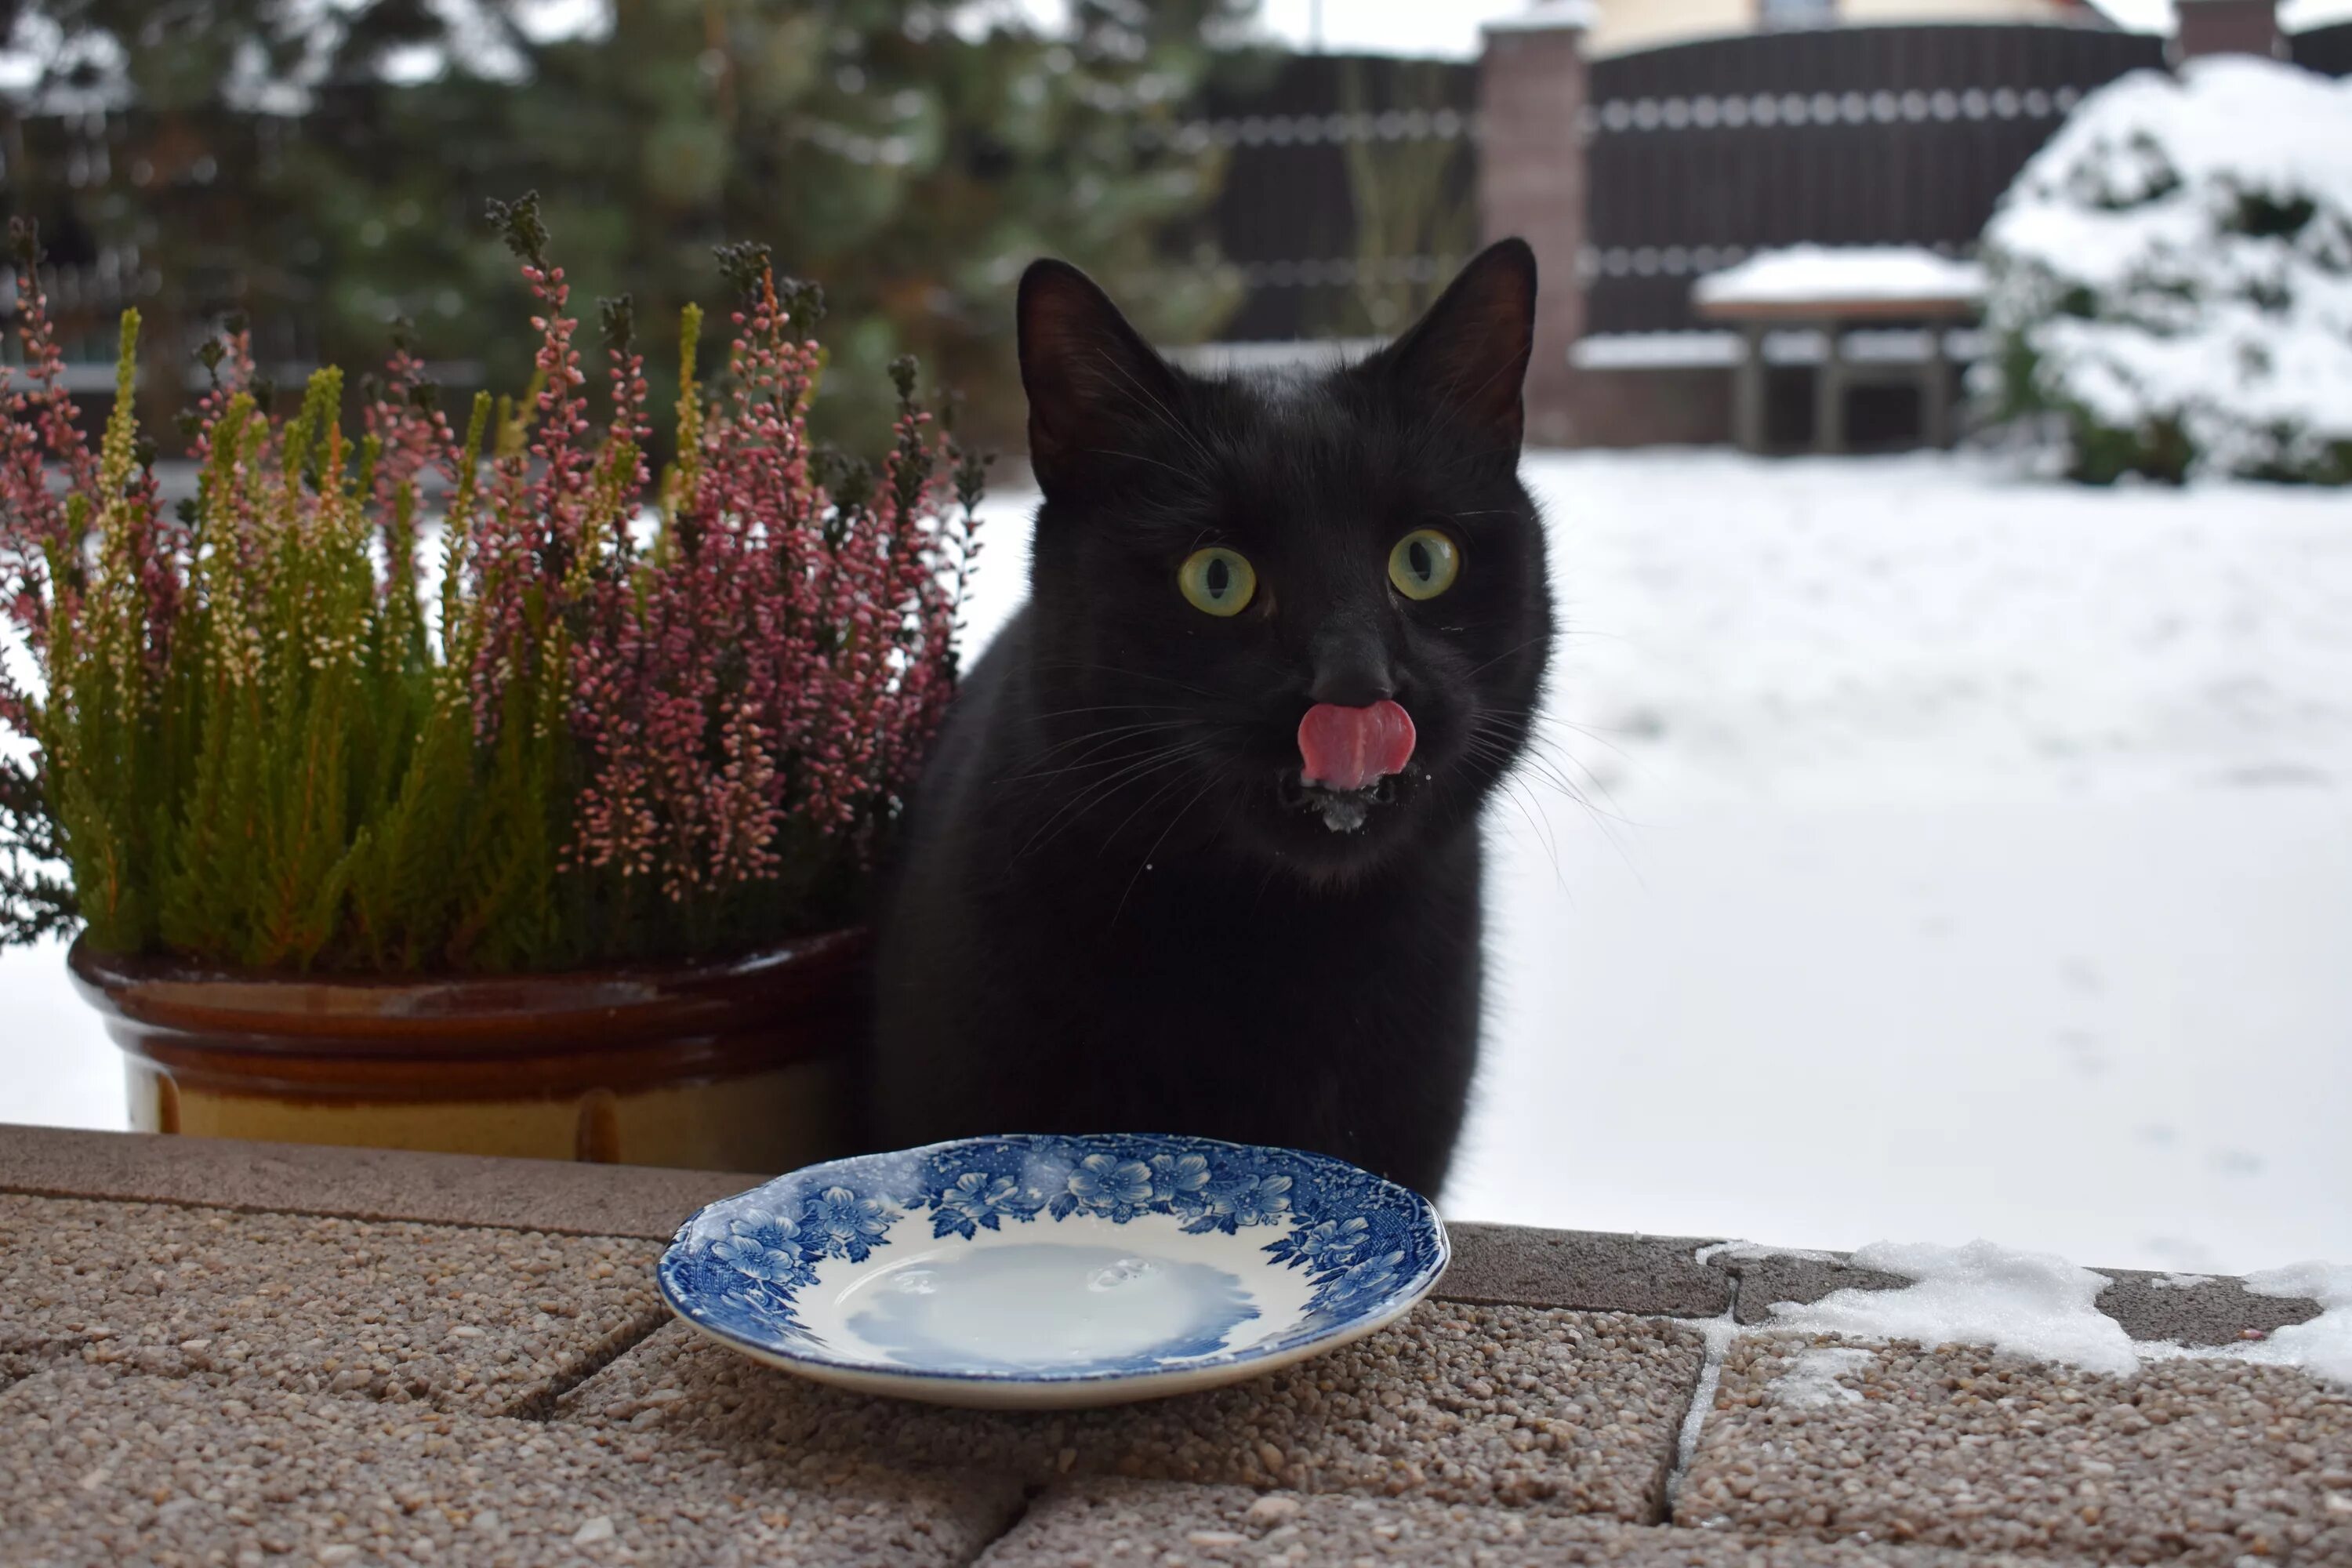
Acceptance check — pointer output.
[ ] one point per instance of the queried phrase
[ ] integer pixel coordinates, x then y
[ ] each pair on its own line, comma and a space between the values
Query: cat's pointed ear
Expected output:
1088, 374
1468, 354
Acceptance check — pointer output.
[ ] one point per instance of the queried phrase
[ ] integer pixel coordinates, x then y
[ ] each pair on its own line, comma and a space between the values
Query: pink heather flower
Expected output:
765, 676
38, 431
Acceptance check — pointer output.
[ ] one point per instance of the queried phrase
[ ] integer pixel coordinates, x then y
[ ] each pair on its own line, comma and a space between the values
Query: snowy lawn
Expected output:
1964, 858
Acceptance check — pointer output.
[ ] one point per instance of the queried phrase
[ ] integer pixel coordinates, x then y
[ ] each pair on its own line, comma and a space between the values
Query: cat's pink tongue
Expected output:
1352, 748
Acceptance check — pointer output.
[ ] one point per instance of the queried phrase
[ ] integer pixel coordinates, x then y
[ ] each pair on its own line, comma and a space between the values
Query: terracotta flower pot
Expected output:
740, 1065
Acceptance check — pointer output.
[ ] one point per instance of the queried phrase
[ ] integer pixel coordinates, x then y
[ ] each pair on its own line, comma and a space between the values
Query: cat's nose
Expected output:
1352, 670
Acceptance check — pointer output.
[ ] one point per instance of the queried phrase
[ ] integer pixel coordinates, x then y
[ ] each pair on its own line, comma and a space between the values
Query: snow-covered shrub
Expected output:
2171, 278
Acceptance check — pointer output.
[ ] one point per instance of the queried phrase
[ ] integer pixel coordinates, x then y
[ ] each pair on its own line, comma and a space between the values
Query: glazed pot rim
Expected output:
519, 1013
142, 968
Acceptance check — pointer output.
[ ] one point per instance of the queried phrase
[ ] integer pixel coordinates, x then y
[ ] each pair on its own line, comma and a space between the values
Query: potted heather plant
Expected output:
467, 788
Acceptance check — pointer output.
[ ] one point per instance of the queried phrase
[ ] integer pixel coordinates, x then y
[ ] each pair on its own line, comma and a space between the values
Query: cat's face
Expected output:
1300, 620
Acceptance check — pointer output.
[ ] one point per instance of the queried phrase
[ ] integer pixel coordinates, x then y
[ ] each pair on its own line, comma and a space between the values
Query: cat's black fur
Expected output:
1113, 912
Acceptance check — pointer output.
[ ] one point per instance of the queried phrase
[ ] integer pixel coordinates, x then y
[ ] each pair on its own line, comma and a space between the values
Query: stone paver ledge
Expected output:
549, 1196
240, 1354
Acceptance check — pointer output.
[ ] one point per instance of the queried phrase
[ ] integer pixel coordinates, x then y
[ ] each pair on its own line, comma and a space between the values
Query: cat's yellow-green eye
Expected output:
1424, 564
1218, 580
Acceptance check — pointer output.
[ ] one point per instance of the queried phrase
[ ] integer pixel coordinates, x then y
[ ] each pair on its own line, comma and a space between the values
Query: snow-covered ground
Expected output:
1975, 858
1964, 857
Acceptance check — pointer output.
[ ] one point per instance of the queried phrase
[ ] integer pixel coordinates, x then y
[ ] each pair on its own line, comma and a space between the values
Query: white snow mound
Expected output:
2322, 1346
2039, 1307
1802, 274
1812, 1381
2030, 1304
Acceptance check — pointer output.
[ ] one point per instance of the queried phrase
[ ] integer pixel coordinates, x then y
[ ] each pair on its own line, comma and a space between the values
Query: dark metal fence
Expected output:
1700, 153
214, 234
2328, 51
1350, 190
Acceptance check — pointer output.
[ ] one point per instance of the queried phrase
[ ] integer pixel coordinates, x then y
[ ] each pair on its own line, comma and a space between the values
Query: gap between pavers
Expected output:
108, 1464
1101, 1521
494, 1322
1719, 1334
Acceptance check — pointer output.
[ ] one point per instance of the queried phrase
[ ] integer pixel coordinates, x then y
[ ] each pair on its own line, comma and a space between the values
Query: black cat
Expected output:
1198, 848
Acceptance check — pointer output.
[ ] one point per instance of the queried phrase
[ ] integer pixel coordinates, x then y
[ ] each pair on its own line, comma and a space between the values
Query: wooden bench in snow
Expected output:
1831, 291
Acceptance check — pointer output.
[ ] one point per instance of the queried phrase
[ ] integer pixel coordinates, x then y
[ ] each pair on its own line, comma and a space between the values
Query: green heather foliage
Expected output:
635, 722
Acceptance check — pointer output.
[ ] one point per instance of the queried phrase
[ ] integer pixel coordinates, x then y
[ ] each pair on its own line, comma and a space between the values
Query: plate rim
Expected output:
1392, 1306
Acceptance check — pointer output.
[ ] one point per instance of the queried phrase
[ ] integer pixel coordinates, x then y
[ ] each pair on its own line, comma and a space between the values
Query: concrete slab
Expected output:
1570, 1412
363, 1183
1514, 1264
106, 1466
486, 1320
2196, 1460
1493, 1264
2183, 1309
1109, 1521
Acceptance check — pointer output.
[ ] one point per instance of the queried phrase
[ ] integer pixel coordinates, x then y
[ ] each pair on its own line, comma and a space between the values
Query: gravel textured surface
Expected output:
1114, 1522
2197, 1461
108, 1468
487, 1320
1569, 1411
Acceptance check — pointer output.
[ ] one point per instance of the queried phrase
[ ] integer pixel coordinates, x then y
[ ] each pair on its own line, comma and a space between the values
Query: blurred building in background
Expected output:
1250, 204
1619, 26
1638, 168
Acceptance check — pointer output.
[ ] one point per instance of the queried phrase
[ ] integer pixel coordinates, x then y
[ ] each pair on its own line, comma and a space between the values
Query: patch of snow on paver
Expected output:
2042, 1307
2180, 1281
2323, 1346
1750, 1252
1719, 1334
1812, 1381
2031, 1304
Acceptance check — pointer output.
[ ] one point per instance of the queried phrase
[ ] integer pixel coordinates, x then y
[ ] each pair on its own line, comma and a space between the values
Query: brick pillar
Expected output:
2225, 27
1531, 93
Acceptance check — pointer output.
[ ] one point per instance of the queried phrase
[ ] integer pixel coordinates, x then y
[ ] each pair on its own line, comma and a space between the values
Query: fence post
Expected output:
1935, 390
1829, 390
2225, 27
1747, 389
1531, 98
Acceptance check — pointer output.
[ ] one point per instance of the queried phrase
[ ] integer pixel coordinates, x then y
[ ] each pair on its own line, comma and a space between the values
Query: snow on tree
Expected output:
2171, 278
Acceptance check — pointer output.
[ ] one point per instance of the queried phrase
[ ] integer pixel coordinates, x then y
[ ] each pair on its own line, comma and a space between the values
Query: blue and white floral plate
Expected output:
1037, 1272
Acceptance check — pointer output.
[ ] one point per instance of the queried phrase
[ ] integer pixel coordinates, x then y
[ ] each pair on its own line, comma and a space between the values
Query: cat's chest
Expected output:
1195, 963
